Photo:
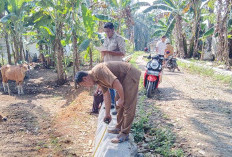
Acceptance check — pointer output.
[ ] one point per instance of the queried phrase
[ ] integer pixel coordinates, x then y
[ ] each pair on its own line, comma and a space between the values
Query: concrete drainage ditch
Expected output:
103, 146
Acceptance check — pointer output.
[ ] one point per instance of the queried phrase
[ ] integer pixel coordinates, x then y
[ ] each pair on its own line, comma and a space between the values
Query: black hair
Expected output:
164, 36
79, 76
109, 25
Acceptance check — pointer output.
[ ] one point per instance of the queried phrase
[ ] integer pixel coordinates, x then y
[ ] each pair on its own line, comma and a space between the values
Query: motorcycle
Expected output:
153, 74
171, 63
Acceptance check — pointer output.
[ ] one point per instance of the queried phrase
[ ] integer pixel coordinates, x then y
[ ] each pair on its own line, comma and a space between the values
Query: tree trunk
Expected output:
75, 52
59, 55
8, 48
179, 37
75, 57
21, 57
221, 29
16, 52
196, 26
91, 57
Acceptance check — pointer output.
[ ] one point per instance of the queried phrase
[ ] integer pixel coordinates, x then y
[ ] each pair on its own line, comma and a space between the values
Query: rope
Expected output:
100, 141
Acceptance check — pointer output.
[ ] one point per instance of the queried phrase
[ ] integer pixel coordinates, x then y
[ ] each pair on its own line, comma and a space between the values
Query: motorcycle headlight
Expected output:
154, 64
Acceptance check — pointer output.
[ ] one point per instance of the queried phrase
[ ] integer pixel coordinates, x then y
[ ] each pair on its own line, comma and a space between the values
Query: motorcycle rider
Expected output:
169, 53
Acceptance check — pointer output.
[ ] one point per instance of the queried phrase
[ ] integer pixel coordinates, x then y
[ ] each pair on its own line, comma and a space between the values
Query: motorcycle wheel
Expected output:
149, 89
173, 69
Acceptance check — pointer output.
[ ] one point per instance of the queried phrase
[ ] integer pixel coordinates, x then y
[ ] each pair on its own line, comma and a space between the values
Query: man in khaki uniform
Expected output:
122, 77
115, 45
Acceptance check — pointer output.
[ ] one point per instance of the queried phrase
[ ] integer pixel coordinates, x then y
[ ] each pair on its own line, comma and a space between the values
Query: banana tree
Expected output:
14, 23
164, 27
176, 9
123, 11
222, 29
57, 10
89, 21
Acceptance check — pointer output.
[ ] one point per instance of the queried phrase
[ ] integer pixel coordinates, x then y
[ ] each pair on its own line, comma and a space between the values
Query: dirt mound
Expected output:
76, 126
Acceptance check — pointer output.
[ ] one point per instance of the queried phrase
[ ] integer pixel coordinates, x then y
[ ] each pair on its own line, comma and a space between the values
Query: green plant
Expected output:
162, 143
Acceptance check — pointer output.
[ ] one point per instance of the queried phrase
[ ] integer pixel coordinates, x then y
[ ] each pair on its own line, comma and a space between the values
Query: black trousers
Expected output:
97, 100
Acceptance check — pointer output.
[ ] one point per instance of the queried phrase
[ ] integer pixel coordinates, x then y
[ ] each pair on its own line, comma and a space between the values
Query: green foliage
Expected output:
209, 32
88, 19
162, 143
84, 55
84, 45
49, 31
102, 17
164, 7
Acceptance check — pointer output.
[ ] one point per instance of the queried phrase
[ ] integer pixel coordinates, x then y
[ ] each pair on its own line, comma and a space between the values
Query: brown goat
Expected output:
15, 73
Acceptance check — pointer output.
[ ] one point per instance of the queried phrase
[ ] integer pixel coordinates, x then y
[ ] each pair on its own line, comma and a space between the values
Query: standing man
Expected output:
115, 46
161, 46
122, 77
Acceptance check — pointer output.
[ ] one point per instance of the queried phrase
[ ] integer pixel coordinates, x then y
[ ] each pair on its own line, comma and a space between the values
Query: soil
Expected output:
48, 120
199, 109
52, 120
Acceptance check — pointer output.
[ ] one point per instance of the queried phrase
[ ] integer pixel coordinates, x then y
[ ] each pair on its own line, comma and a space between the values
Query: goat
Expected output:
15, 73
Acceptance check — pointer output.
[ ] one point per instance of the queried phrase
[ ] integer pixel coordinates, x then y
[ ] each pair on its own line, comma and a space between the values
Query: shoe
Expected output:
114, 113
120, 138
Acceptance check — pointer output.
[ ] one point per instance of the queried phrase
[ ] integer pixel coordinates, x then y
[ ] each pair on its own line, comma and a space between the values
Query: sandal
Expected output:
121, 138
114, 131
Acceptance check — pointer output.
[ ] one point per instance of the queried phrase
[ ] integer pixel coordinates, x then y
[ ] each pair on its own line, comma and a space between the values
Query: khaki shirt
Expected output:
115, 43
104, 74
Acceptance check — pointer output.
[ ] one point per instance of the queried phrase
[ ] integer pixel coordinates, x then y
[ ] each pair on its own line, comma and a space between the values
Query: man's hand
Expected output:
120, 102
107, 119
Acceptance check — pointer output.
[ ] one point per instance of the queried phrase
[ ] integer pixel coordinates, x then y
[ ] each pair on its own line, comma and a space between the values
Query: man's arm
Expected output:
107, 101
113, 53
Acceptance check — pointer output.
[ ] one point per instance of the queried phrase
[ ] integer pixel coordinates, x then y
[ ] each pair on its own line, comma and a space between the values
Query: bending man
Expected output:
122, 77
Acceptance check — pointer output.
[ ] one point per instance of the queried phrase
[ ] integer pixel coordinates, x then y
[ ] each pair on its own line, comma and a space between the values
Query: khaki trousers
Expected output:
126, 114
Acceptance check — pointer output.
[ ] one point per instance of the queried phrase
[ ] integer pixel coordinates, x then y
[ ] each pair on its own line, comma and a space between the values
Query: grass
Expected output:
136, 54
206, 72
162, 139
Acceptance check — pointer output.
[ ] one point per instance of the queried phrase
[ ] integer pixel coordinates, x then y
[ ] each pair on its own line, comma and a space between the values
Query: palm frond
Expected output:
102, 17
158, 33
140, 4
170, 18
158, 27
170, 3
158, 2
158, 6
170, 28
162, 23
209, 32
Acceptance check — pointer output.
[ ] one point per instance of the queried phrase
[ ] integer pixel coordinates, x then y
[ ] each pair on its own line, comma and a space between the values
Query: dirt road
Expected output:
200, 110
48, 120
